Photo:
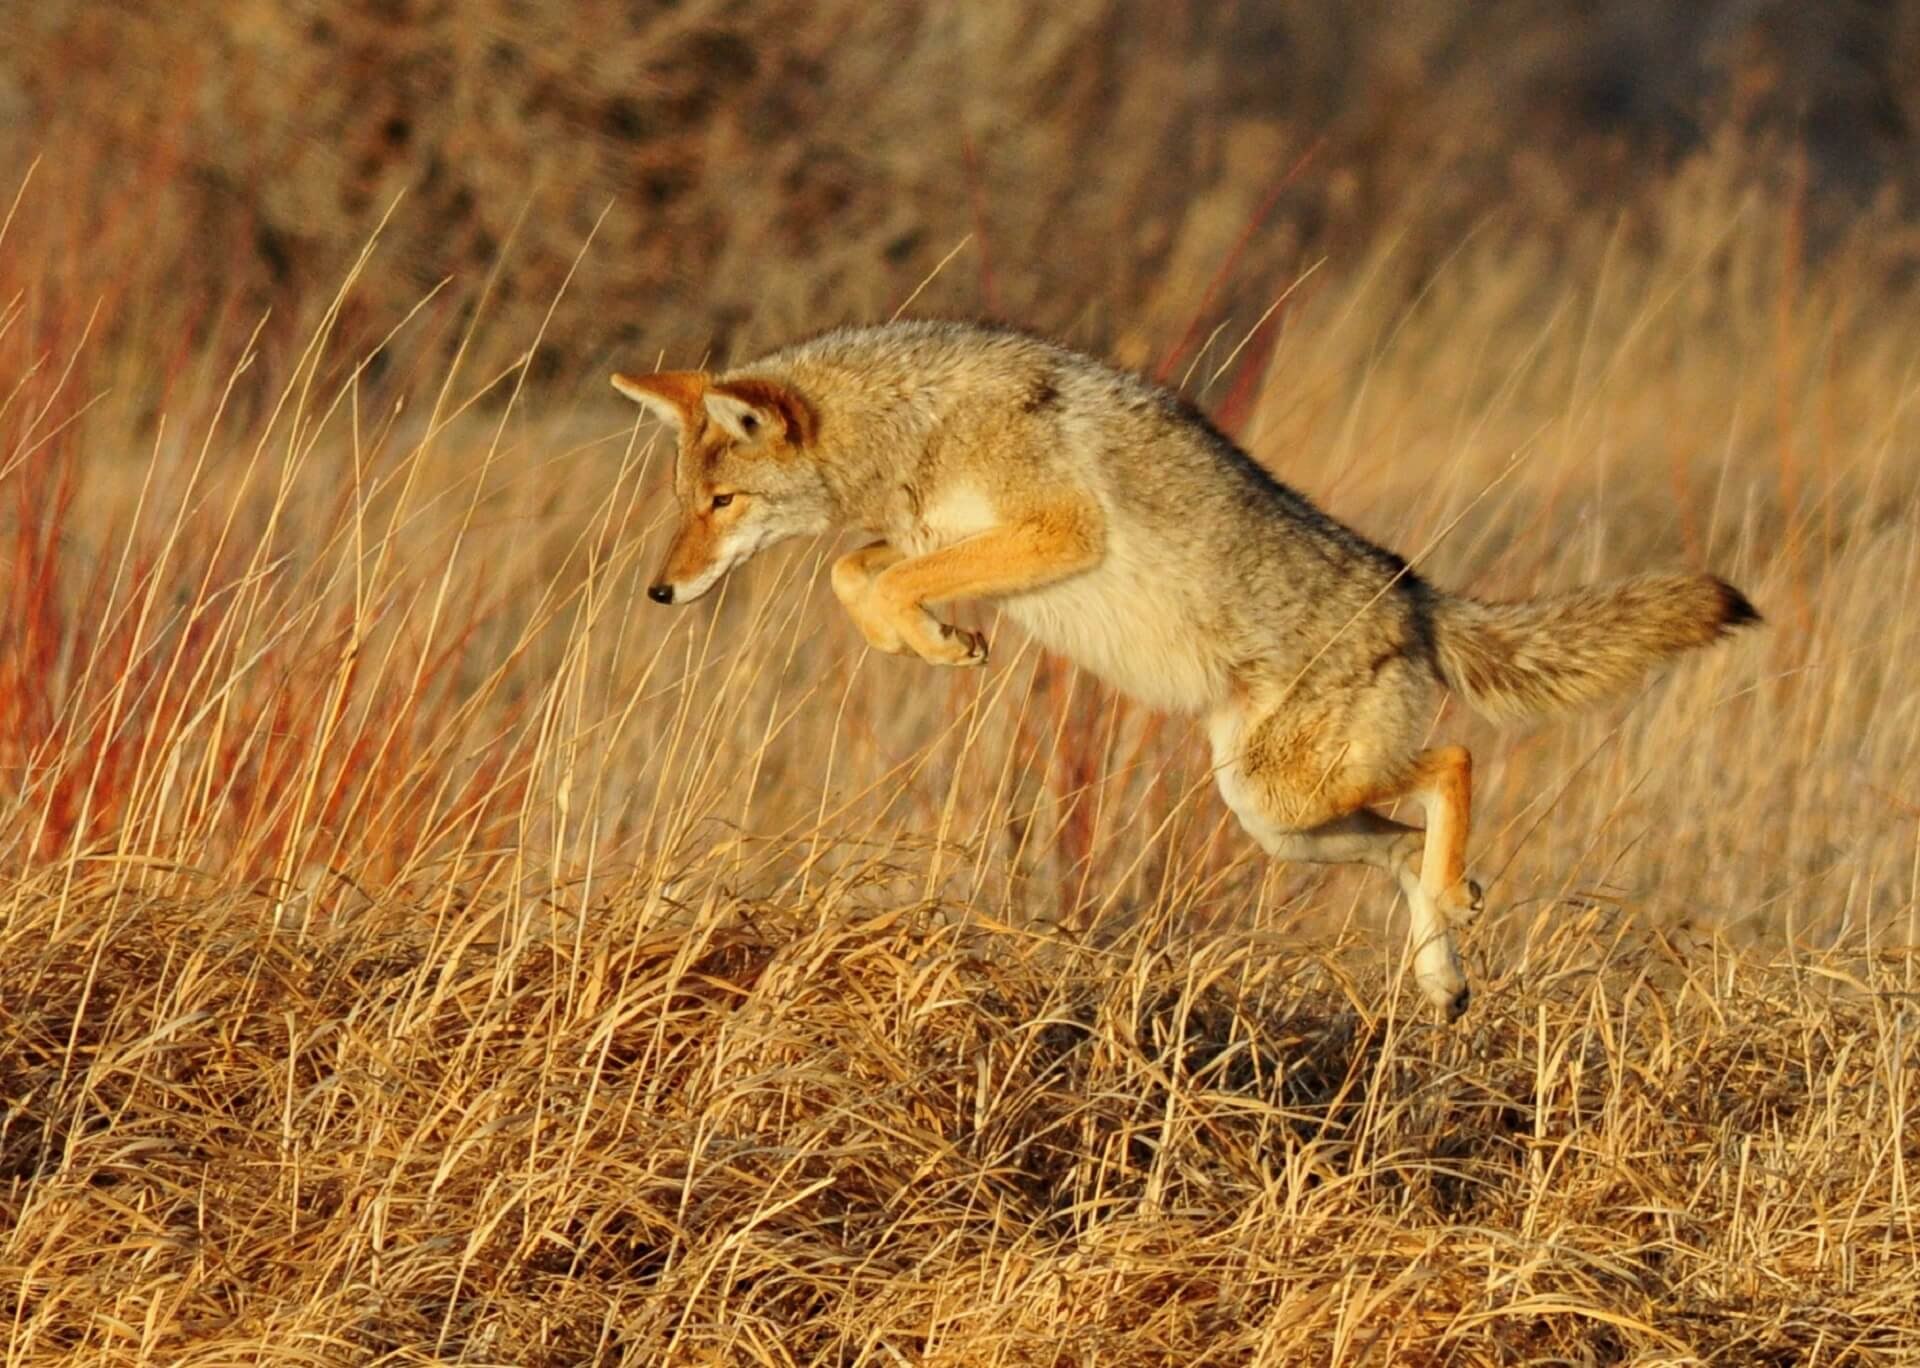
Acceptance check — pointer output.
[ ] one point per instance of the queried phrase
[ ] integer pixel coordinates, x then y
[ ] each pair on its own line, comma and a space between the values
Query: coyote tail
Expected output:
1516, 660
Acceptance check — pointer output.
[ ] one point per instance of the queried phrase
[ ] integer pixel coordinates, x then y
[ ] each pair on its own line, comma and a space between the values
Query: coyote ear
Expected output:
751, 409
671, 396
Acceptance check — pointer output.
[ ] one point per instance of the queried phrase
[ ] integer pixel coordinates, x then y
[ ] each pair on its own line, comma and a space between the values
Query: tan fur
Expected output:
1113, 523
1547, 654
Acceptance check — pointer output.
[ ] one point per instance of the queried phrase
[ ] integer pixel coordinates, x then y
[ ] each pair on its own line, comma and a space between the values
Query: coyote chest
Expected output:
1125, 619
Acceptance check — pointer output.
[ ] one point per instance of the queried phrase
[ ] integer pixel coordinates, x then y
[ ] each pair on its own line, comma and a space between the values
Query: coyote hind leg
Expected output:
1365, 837
1439, 893
1443, 782
1324, 817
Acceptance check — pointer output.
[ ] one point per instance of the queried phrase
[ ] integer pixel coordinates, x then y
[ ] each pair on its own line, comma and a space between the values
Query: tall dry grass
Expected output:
414, 946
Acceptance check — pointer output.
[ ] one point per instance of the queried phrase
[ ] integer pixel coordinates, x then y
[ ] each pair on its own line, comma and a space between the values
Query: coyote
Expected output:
1120, 528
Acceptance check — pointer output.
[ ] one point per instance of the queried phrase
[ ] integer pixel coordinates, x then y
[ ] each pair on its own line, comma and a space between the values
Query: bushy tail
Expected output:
1515, 660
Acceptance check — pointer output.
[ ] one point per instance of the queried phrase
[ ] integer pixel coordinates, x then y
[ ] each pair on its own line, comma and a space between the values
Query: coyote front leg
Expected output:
884, 626
886, 593
852, 577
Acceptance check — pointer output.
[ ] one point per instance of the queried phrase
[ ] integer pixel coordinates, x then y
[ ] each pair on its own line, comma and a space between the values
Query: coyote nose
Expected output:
661, 593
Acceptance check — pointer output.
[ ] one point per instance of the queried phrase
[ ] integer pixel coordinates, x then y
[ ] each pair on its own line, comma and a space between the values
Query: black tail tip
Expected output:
1736, 610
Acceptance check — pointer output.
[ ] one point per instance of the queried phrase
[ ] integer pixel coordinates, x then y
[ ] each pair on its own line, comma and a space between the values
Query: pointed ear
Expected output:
751, 409
671, 396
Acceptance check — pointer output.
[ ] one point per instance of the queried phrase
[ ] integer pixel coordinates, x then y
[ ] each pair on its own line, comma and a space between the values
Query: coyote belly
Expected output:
1119, 528
1115, 623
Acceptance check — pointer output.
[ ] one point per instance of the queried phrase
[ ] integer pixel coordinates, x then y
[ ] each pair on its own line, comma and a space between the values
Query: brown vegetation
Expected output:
778, 166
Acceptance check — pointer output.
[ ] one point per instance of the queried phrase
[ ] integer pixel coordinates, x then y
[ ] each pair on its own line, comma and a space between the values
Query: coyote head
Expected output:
746, 473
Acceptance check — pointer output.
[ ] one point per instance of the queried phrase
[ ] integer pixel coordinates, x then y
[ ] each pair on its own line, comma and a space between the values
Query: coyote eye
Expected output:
722, 500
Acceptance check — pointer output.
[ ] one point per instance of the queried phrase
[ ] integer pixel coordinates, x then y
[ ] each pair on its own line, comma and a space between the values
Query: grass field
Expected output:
416, 947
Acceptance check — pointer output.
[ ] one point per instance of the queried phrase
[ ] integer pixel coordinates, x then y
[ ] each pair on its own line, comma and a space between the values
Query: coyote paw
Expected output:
1445, 985
955, 646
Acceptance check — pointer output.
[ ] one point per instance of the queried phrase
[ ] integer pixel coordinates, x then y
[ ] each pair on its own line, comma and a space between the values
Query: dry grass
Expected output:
416, 947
